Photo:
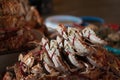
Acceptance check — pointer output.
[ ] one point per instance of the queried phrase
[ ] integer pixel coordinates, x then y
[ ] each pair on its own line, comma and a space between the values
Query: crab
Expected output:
27, 59
90, 34
54, 54
73, 54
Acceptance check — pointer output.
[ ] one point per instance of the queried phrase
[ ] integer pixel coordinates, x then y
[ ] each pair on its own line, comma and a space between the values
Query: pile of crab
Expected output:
76, 54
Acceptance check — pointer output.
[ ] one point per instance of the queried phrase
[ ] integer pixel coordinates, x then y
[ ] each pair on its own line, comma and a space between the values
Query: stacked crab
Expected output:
11, 13
17, 18
18, 13
74, 55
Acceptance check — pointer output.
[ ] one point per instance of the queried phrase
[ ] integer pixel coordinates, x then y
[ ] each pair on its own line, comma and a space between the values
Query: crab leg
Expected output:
37, 69
18, 72
49, 68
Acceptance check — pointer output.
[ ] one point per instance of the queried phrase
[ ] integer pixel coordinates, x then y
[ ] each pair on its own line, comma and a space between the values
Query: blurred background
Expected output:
106, 9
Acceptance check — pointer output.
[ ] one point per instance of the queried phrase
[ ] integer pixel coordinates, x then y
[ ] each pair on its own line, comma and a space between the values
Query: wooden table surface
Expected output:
109, 10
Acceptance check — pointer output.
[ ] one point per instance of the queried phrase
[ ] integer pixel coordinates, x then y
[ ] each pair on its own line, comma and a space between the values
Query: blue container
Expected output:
87, 19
